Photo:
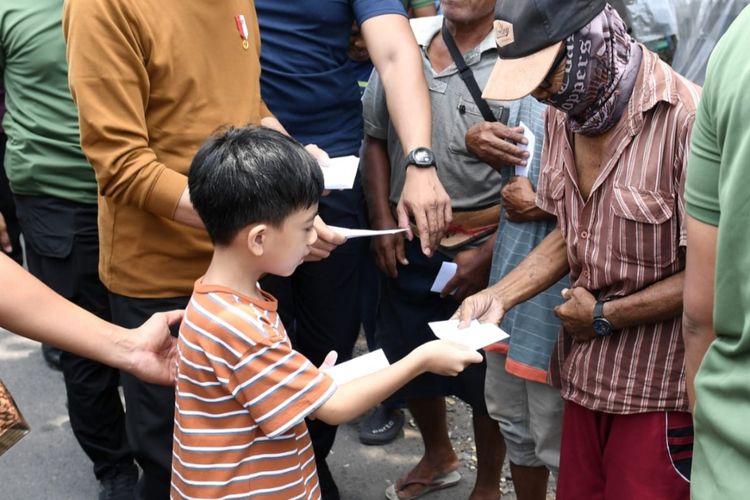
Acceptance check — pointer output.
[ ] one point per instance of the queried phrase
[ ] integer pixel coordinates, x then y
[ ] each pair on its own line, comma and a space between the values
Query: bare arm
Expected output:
354, 398
657, 302
399, 65
697, 317
31, 309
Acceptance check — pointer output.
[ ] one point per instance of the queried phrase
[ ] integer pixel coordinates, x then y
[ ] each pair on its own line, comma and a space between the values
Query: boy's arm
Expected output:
354, 398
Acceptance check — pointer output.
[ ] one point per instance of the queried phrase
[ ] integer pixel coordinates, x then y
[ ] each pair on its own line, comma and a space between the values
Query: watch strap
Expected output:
599, 309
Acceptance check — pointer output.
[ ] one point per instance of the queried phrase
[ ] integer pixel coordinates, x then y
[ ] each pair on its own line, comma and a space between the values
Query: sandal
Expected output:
394, 491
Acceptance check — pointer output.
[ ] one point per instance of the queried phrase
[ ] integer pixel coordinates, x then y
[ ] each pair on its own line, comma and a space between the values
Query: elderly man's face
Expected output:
467, 11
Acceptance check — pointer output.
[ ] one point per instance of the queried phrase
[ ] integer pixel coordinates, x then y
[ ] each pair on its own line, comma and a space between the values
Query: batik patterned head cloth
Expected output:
601, 67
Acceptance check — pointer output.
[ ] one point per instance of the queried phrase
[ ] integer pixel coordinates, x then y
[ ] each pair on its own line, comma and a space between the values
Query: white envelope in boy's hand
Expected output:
476, 336
360, 366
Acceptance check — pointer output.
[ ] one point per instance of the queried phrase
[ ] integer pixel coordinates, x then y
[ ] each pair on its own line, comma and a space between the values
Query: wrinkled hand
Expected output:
472, 275
577, 313
493, 143
4, 236
327, 241
425, 199
388, 249
519, 201
483, 306
154, 358
443, 357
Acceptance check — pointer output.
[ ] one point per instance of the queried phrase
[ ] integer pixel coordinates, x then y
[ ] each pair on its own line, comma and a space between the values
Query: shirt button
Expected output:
584, 234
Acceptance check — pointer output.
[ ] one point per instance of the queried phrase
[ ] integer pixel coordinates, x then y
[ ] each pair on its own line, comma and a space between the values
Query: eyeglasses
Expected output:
546, 83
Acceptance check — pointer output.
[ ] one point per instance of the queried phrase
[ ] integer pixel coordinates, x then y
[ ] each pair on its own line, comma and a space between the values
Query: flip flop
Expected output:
437, 483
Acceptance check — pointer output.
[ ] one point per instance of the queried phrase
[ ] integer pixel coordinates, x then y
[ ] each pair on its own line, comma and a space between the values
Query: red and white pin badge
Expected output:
241, 24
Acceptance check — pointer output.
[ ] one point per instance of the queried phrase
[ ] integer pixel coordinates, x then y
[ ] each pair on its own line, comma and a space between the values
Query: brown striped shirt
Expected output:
241, 399
628, 234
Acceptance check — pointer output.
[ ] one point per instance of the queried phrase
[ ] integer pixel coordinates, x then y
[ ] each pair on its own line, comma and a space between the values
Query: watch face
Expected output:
422, 157
602, 327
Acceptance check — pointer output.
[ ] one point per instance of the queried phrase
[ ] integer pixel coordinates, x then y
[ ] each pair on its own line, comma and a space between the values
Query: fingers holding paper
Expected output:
327, 241
483, 306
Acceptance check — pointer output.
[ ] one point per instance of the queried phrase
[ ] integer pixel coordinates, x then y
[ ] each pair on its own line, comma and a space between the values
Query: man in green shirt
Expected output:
55, 195
716, 315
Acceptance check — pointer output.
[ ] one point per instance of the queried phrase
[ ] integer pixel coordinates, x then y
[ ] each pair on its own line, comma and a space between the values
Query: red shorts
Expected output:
645, 456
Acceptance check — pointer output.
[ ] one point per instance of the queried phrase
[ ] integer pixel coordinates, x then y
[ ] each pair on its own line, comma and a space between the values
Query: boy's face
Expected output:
287, 246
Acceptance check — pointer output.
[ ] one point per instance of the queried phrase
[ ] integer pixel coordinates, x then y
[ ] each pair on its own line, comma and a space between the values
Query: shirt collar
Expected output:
425, 29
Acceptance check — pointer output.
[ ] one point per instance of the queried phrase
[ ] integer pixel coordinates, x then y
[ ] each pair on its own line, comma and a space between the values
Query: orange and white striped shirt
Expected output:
241, 398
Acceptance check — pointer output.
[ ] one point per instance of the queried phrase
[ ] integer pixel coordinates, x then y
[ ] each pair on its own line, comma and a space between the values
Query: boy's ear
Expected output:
256, 239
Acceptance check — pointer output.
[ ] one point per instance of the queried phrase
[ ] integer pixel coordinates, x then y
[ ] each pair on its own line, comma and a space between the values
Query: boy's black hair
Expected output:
249, 175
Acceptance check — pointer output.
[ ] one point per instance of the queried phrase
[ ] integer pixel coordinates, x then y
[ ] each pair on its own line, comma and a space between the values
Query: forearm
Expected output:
697, 336
355, 397
273, 123
31, 309
658, 302
376, 178
399, 63
543, 267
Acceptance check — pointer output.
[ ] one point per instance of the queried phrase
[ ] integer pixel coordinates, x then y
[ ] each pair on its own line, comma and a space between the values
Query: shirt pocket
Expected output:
643, 232
466, 115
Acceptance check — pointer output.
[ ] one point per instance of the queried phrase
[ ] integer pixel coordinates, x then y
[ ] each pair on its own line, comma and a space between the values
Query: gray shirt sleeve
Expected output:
374, 109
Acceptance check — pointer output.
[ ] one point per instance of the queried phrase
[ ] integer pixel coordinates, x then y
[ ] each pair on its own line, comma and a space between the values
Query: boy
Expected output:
242, 392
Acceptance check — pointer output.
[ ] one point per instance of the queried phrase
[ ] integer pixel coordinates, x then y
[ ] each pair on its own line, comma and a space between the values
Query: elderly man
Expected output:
613, 171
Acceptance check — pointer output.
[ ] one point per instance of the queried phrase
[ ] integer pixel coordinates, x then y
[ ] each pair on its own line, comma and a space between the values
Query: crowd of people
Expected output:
168, 157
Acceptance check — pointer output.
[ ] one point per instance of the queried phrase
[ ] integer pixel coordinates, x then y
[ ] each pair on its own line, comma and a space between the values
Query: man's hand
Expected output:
154, 355
4, 236
425, 199
472, 275
577, 313
388, 249
493, 143
318, 154
483, 306
327, 241
519, 201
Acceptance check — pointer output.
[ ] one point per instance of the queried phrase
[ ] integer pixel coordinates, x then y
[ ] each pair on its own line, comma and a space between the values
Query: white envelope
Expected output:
358, 367
340, 172
476, 336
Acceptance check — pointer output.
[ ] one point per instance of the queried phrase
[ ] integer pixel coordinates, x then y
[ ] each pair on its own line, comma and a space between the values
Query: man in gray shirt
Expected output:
407, 304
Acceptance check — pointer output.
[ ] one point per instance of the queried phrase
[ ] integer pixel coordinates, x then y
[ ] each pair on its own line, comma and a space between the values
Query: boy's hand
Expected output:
446, 358
329, 362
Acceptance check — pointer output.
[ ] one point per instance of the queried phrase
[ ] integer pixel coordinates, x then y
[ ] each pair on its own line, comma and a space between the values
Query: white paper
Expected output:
447, 271
476, 336
340, 172
529, 135
360, 233
358, 367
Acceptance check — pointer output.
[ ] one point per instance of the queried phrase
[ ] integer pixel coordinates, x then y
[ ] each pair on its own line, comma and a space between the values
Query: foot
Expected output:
382, 426
118, 483
425, 477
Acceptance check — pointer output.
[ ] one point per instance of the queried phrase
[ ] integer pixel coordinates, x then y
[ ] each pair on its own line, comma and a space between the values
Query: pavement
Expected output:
48, 463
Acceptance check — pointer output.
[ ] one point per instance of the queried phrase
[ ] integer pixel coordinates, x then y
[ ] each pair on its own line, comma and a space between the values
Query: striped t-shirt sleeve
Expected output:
278, 386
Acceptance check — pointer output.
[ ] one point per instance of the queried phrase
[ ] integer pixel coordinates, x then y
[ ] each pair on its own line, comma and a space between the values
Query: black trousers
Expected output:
320, 305
150, 416
8, 209
62, 250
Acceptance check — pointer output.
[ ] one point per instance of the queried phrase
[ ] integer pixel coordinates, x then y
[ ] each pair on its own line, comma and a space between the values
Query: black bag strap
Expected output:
467, 75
